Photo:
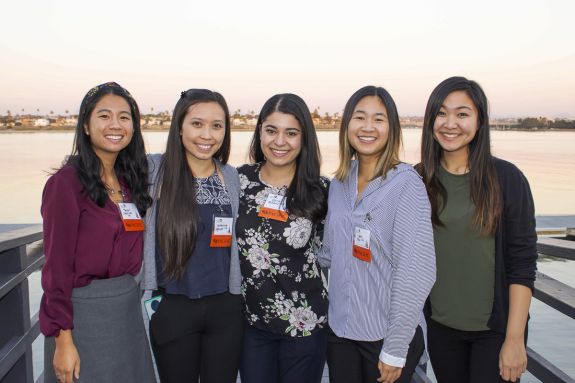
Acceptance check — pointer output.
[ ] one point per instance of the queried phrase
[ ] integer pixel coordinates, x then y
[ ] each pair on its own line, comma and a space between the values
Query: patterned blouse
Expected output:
283, 286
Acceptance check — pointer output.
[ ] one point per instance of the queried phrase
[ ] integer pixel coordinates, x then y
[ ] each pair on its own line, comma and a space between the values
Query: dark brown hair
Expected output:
389, 158
484, 185
305, 197
177, 222
130, 166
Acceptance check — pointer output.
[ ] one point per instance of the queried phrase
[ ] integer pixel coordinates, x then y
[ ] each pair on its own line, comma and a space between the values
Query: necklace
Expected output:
120, 197
112, 191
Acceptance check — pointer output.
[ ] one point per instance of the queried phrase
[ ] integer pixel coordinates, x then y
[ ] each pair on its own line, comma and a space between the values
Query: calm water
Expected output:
546, 158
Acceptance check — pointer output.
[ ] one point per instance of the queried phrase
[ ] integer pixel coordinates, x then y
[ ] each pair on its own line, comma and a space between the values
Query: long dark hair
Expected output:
484, 184
131, 165
177, 222
305, 197
390, 156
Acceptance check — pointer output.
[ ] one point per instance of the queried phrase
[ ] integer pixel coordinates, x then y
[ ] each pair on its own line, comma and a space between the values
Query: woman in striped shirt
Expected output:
378, 242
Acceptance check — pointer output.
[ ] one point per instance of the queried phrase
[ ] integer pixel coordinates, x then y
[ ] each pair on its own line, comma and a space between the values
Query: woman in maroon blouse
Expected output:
91, 209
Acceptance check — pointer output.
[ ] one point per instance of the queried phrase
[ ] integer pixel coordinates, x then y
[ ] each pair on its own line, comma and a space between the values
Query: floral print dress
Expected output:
282, 283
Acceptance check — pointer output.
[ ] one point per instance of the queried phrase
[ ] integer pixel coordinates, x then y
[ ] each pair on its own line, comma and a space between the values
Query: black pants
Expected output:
278, 358
353, 361
464, 356
196, 339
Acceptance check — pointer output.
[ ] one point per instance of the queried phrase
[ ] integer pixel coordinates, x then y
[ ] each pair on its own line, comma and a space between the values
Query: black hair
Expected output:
305, 197
131, 165
178, 217
484, 184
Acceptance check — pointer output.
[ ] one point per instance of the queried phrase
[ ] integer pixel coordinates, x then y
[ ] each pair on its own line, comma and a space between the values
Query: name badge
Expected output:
131, 217
361, 249
274, 208
222, 232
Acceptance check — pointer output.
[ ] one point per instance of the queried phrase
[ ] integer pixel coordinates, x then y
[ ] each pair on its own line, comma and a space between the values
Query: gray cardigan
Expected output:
232, 184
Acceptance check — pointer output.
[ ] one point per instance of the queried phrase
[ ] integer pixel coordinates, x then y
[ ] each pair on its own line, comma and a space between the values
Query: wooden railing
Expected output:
557, 295
21, 254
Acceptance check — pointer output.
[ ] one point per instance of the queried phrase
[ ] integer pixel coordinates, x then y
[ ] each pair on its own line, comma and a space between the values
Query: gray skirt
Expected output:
109, 334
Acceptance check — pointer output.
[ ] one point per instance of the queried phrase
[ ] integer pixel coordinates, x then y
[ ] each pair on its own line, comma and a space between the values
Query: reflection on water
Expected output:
546, 158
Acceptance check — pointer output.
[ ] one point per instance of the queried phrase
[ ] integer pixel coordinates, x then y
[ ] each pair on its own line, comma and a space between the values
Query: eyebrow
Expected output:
458, 108
275, 127
201, 119
377, 114
109, 111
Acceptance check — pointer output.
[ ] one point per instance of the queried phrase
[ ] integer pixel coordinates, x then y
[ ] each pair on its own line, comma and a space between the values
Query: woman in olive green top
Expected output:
464, 297
485, 242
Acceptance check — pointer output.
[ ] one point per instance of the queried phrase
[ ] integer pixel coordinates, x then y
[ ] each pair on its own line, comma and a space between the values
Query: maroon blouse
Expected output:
82, 242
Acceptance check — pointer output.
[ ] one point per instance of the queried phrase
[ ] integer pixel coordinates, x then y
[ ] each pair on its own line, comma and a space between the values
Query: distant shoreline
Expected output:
157, 128
70, 129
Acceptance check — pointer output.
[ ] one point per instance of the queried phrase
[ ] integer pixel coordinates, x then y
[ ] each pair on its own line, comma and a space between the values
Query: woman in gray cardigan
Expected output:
190, 252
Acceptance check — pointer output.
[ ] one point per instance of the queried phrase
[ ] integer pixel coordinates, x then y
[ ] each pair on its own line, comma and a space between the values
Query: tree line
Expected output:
544, 123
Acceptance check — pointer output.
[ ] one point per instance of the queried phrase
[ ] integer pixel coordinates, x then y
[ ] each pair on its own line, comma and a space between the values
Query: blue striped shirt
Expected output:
382, 299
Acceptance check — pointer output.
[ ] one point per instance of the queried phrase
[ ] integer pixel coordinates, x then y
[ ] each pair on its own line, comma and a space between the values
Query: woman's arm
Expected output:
149, 281
324, 254
520, 257
61, 216
413, 257
513, 357
519, 235
66, 358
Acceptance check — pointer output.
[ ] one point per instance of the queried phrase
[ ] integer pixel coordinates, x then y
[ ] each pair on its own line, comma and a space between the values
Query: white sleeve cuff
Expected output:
391, 360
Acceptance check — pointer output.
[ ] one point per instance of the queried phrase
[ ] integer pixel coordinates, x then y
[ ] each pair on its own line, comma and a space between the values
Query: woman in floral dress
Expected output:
283, 201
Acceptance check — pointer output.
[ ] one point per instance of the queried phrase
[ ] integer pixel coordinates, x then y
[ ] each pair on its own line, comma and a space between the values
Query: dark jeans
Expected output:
354, 361
464, 356
196, 339
278, 358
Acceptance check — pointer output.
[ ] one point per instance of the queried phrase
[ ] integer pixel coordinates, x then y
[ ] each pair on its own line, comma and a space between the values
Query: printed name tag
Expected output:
361, 244
222, 232
274, 208
131, 217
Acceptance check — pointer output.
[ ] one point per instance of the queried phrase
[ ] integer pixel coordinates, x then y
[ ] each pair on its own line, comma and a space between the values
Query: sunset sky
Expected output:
521, 52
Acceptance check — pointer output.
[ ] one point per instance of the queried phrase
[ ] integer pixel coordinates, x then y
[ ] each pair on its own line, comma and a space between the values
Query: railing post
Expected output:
15, 314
